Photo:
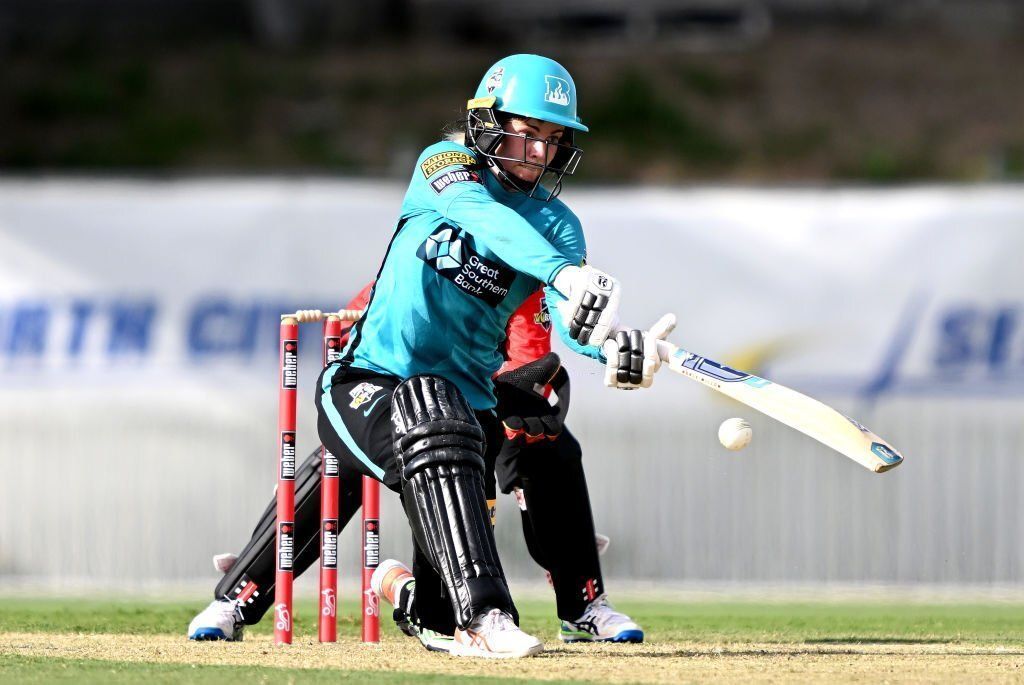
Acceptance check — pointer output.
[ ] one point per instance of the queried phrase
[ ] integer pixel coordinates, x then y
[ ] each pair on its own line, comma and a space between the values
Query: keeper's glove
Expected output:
526, 415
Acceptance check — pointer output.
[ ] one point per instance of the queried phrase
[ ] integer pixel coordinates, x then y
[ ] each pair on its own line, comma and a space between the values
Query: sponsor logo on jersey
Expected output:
542, 317
434, 163
285, 546
557, 90
287, 455
452, 177
371, 543
362, 393
451, 254
329, 544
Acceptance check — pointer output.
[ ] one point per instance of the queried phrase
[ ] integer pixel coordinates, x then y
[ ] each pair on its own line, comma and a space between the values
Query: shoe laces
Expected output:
602, 613
235, 610
495, 620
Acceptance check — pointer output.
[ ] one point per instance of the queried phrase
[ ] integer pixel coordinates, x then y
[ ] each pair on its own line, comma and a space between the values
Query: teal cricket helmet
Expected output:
531, 87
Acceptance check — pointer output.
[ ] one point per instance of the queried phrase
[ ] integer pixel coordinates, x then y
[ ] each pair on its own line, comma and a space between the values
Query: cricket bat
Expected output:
796, 410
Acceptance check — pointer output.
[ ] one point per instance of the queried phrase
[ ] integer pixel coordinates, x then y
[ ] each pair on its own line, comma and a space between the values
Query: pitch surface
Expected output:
87, 641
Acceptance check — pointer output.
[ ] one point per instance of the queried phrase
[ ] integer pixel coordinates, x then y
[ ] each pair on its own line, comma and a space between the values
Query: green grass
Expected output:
696, 621
668, 624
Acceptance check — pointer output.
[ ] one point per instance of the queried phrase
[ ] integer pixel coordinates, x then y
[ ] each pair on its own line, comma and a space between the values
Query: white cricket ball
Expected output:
734, 434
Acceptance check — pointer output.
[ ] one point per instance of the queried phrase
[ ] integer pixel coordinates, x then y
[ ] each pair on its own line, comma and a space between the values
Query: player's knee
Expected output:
433, 425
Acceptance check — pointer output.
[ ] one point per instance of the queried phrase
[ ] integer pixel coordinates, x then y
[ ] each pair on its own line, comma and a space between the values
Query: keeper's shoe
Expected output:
222, 620
494, 635
600, 622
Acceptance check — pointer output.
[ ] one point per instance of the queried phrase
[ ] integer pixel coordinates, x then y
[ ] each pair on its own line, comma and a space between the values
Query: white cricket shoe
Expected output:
222, 620
494, 635
600, 622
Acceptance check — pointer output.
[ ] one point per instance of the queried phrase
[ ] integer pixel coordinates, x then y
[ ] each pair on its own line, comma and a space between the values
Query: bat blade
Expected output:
796, 410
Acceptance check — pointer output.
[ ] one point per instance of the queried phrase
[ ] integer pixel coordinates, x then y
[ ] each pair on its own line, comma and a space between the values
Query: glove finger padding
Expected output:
632, 356
590, 310
531, 430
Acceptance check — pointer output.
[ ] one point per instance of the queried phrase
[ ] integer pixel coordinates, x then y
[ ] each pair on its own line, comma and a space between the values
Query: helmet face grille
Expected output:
484, 135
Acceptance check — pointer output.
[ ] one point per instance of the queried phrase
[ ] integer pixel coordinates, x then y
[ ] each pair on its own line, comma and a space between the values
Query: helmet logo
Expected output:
494, 80
557, 90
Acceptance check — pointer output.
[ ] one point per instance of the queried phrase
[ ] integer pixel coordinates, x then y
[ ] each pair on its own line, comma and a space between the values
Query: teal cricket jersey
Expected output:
465, 254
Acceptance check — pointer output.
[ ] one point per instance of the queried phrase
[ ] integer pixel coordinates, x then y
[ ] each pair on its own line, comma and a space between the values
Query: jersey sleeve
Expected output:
569, 240
448, 180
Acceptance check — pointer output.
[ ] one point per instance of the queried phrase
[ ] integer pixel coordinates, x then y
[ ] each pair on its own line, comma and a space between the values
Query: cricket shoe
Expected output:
393, 581
432, 640
222, 620
494, 635
600, 622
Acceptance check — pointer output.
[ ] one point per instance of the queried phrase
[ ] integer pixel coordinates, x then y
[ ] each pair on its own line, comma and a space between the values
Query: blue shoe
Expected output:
222, 620
600, 622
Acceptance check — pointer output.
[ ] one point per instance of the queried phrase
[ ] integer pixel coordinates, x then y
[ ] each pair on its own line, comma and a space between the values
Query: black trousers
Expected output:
354, 408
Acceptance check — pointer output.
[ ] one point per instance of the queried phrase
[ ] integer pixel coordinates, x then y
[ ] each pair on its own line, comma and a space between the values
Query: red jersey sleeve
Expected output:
357, 302
528, 334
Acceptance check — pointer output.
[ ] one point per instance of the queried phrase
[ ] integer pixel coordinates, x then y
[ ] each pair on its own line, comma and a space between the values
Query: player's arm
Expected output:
504, 232
448, 181
630, 355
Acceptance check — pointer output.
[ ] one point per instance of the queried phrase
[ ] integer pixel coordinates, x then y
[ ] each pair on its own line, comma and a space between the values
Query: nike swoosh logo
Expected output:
370, 408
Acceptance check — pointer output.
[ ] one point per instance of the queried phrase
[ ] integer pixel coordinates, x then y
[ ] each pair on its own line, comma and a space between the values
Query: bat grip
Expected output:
665, 348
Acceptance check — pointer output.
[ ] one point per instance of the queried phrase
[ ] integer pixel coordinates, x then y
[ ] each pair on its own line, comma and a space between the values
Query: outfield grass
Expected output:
52, 640
678, 621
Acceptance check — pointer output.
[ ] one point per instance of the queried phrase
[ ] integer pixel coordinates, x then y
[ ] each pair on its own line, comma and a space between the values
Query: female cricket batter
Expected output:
412, 399
541, 462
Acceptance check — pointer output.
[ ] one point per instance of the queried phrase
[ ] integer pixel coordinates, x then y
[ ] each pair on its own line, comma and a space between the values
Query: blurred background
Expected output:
826, 192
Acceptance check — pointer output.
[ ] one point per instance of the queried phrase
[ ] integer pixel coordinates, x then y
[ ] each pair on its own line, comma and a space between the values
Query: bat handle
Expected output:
666, 350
